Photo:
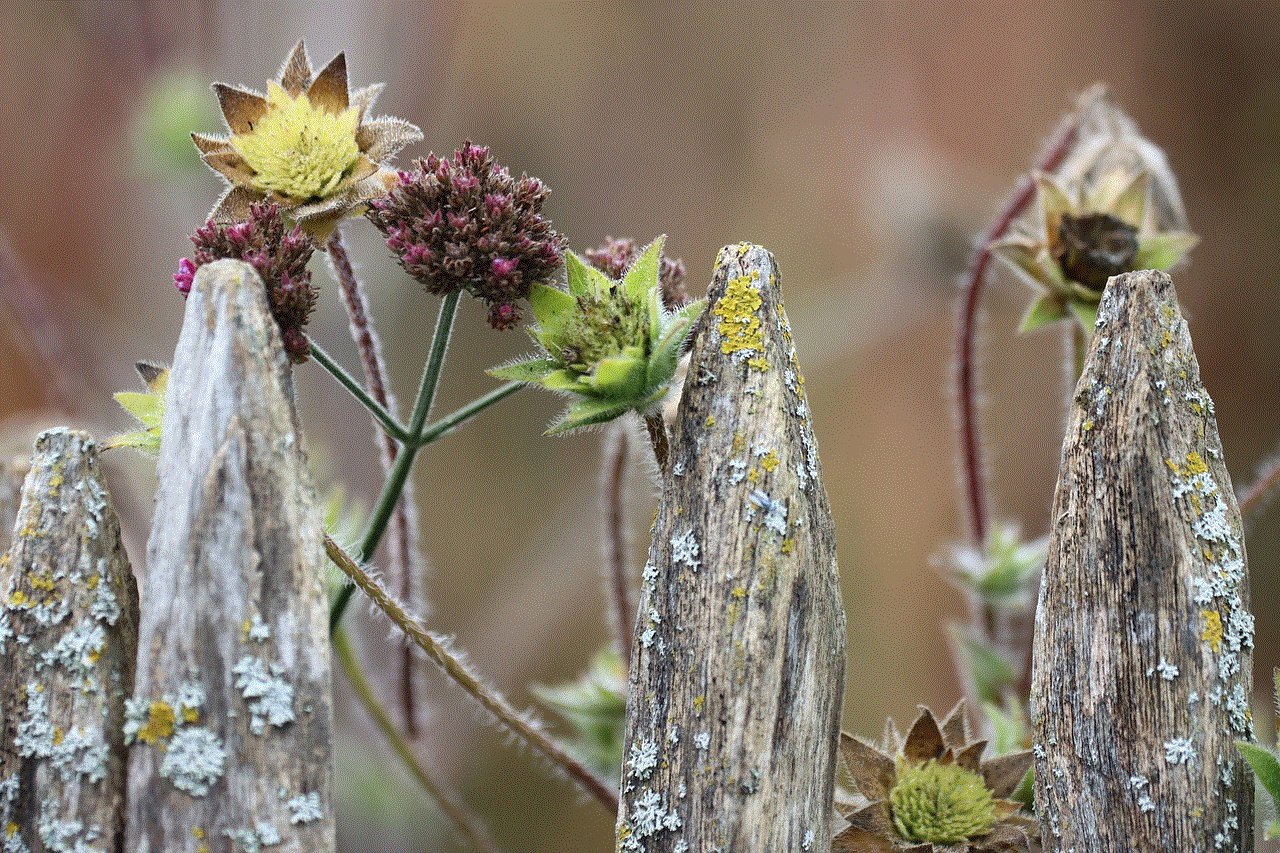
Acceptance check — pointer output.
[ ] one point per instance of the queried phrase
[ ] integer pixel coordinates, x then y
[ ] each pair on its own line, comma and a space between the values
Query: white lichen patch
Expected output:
685, 549
194, 760
269, 697
36, 733
642, 759
1179, 750
647, 817
77, 650
304, 808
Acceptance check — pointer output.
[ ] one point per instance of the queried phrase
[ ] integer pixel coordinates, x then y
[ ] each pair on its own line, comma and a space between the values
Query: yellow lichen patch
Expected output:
770, 461
190, 715
739, 442
92, 582
759, 362
44, 582
160, 720
57, 735
739, 325
11, 829
197, 832
18, 598
711, 420
738, 592
1195, 465
1212, 633
753, 475
697, 703
787, 546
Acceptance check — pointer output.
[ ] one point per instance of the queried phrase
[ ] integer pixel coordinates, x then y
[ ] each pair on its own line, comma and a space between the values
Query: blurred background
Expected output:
864, 145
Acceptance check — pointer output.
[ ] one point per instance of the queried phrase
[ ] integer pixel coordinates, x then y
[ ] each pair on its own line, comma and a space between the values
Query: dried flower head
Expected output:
617, 255
279, 256
463, 223
1112, 206
305, 146
930, 791
609, 344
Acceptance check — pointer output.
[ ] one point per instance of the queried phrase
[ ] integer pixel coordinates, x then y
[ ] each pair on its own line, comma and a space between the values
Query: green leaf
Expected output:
1086, 314
577, 274
1046, 309
586, 412
532, 370
147, 409
620, 377
643, 274
666, 352
1165, 249
1265, 767
552, 307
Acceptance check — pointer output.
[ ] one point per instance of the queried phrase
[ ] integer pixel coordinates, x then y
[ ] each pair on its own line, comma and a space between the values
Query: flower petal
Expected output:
241, 108
870, 770
924, 741
295, 74
233, 206
329, 89
363, 99
228, 163
1004, 773
382, 138
955, 727
970, 758
206, 144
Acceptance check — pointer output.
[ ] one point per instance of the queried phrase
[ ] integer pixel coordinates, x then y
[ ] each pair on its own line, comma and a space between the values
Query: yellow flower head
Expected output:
307, 146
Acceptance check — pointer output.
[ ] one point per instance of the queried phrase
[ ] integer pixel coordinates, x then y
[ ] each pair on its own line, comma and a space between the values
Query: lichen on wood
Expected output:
738, 653
1143, 640
68, 636
231, 721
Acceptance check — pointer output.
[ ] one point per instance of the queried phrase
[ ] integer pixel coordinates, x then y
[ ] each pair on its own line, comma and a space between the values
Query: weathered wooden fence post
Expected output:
69, 639
738, 660
232, 719
1143, 635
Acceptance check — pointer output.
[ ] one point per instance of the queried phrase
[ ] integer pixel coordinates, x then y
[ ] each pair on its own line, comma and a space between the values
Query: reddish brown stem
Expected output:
966, 383
400, 544
612, 477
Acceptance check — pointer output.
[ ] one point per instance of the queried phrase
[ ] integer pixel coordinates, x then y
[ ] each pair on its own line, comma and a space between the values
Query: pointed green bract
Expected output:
147, 409
1044, 310
643, 275
532, 370
608, 344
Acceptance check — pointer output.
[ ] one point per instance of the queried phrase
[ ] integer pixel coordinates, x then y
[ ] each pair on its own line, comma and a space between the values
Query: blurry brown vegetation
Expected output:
862, 145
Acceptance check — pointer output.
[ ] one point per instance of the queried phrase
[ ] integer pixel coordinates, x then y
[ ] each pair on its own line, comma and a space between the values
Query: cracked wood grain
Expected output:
1143, 639
738, 653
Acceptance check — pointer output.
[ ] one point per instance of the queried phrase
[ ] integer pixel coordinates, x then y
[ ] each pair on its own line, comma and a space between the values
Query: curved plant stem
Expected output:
402, 548
966, 383
614, 539
464, 823
389, 424
524, 726
1261, 491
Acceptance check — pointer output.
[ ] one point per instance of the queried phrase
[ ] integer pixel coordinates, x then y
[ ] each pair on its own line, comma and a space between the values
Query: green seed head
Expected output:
940, 803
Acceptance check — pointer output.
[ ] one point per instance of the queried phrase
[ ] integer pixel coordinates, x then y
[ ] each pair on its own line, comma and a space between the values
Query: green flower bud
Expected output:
940, 803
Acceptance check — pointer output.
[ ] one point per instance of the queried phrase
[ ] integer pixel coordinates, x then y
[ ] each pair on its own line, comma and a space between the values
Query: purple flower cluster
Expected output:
617, 255
463, 223
280, 258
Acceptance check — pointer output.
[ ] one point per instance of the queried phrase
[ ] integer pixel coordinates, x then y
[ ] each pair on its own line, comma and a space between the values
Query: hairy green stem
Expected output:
398, 475
524, 726
389, 424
